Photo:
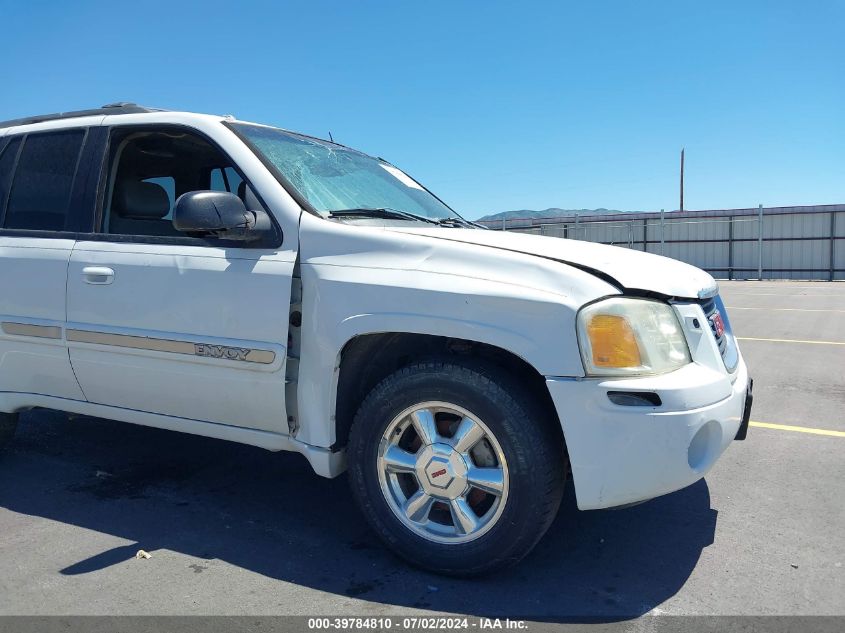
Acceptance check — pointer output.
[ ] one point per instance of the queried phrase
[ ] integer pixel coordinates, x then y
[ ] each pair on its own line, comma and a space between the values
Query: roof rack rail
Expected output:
120, 107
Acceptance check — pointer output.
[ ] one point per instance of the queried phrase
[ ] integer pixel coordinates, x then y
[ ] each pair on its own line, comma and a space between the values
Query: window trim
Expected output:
269, 242
4, 203
76, 198
36, 233
81, 200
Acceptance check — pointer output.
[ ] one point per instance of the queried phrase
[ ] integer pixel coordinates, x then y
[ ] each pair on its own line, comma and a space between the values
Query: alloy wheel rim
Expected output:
443, 472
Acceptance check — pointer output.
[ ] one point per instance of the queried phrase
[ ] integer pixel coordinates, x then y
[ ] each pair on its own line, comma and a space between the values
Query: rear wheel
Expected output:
8, 424
456, 466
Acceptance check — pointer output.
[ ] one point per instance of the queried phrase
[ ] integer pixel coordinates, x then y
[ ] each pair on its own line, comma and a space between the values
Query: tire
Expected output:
393, 470
8, 424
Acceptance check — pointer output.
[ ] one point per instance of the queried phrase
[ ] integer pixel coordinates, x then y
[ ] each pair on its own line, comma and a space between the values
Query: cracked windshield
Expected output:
336, 179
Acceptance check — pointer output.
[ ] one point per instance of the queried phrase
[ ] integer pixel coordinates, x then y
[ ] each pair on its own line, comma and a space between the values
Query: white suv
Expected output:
202, 274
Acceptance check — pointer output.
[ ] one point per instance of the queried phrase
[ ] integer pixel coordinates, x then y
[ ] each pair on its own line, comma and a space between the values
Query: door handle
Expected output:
97, 275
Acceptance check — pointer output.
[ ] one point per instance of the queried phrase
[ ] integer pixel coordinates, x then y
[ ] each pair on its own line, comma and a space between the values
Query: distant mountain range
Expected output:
545, 213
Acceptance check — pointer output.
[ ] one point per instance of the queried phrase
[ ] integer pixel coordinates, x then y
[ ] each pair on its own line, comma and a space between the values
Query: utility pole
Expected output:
682, 179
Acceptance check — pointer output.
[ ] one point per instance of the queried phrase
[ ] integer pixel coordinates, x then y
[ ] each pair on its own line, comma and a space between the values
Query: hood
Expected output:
630, 270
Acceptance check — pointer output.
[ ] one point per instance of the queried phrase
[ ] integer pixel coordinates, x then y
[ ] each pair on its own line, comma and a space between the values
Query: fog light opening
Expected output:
704, 447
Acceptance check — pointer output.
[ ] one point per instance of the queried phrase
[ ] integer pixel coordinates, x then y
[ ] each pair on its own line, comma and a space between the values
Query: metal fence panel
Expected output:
791, 243
839, 258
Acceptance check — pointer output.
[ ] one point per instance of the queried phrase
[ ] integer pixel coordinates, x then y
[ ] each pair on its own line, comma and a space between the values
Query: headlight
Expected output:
630, 337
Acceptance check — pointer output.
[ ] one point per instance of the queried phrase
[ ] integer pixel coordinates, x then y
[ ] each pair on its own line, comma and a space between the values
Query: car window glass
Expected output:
150, 169
335, 178
225, 179
169, 185
218, 181
43, 181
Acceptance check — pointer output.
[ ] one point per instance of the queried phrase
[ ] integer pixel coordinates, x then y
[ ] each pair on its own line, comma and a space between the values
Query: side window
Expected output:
218, 180
40, 191
149, 169
226, 179
169, 185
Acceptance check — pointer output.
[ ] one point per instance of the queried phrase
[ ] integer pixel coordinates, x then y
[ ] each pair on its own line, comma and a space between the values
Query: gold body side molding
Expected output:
224, 352
34, 331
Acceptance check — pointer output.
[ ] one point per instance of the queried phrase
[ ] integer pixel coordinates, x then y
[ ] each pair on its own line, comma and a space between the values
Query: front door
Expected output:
183, 326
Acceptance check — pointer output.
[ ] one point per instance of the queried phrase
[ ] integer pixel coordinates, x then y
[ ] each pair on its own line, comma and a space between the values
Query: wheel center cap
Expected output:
442, 471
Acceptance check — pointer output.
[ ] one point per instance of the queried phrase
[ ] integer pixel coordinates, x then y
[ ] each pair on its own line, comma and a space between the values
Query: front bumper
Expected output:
624, 454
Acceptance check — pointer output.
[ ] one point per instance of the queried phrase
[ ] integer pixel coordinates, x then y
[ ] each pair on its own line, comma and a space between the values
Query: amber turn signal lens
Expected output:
612, 342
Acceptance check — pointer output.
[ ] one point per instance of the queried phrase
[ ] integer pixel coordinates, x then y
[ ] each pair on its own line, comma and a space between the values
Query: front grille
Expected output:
710, 308
726, 342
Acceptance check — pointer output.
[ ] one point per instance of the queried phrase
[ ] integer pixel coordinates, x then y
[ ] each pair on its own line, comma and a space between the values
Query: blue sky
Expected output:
493, 105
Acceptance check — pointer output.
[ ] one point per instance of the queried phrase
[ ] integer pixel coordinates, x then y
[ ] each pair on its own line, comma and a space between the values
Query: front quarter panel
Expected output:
363, 280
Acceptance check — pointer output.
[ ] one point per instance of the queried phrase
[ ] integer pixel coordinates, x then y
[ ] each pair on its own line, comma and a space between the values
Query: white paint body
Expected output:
518, 292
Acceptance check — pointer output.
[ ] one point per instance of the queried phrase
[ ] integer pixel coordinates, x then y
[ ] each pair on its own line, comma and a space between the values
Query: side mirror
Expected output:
220, 213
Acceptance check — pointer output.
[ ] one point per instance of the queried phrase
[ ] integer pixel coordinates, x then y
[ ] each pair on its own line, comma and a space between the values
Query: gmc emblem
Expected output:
438, 473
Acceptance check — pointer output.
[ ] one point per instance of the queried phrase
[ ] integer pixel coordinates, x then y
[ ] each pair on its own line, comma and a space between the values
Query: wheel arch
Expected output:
366, 359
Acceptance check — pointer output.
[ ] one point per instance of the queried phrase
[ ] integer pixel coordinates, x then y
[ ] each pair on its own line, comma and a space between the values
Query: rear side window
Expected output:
43, 181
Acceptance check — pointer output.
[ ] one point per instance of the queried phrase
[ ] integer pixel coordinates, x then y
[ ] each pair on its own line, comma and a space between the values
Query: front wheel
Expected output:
456, 467
8, 424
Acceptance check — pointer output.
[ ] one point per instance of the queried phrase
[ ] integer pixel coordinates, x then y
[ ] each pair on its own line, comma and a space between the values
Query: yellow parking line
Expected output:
799, 429
779, 294
824, 285
781, 309
788, 340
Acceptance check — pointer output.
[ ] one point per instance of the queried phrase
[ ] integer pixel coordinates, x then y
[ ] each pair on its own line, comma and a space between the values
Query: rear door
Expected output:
184, 326
42, 185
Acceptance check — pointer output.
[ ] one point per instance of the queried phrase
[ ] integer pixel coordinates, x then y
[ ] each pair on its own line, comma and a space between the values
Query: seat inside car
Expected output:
139, 208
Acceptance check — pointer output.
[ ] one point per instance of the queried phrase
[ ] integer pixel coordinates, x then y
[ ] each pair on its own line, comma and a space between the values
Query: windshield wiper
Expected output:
381, 212
388, 212
457, 222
